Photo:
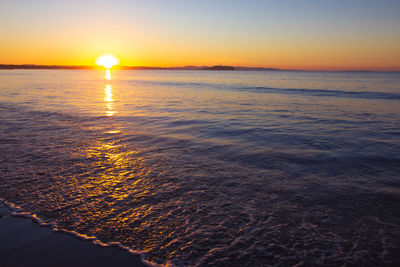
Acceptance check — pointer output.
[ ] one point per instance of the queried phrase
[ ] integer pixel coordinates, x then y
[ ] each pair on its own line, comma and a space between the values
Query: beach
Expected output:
24, 242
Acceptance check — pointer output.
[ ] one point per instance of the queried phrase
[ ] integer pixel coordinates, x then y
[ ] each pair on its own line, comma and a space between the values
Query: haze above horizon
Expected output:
304, 34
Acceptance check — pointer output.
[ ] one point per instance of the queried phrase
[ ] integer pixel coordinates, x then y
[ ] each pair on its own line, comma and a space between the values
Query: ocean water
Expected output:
227, 168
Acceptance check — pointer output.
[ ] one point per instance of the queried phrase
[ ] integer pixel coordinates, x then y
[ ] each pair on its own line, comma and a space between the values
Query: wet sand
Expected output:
26, 243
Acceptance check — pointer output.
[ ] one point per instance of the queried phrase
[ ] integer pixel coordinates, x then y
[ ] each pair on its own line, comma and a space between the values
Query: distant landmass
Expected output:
217, 67
60, 67
213, 68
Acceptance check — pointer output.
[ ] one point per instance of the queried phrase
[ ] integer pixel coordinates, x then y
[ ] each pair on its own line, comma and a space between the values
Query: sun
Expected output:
107, 61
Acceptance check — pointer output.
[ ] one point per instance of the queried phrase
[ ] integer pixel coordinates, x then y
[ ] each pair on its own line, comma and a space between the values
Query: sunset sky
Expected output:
302, 34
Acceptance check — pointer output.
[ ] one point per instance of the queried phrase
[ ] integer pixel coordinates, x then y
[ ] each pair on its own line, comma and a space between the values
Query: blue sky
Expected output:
264, 33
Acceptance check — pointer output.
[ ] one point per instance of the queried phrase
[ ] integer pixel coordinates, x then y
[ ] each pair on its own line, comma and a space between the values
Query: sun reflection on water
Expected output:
109, 100
108, 75
115, 173
109, 94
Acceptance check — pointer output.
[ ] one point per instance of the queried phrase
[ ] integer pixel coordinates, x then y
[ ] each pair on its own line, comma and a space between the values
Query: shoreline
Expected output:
25, 242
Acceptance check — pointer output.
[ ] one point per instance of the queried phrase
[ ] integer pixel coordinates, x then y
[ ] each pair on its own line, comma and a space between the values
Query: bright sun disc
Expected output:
107, 61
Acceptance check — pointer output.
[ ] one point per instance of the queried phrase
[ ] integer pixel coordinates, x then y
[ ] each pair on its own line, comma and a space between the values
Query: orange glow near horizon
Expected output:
334, 58
323, 55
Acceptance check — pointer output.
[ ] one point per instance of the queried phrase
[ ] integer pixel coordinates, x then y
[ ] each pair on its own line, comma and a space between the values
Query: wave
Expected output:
17, 211
285, 91
326, 93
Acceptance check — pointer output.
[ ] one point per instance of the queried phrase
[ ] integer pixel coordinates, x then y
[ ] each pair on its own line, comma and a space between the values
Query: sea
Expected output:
199, 168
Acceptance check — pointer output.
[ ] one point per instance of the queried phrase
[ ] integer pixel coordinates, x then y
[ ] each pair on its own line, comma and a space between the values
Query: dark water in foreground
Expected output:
202, 167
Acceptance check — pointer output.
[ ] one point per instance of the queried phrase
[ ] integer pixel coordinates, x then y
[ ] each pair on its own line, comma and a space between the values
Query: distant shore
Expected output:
208, 68
80, 67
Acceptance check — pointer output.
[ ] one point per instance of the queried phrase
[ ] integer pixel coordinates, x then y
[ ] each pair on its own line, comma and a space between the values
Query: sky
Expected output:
291, 34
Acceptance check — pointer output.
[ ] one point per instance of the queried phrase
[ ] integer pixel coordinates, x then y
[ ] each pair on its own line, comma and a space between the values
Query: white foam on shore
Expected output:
18, 212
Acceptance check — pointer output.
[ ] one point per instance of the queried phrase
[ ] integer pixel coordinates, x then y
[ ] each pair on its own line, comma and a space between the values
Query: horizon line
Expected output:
186, 67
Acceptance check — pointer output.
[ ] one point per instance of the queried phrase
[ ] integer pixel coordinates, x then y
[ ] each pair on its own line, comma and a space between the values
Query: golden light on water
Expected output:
107, 61
108, 92
109, 100
108, 75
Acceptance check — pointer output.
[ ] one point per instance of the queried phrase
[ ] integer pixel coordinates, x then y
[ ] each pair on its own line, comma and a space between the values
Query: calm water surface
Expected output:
210, 168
